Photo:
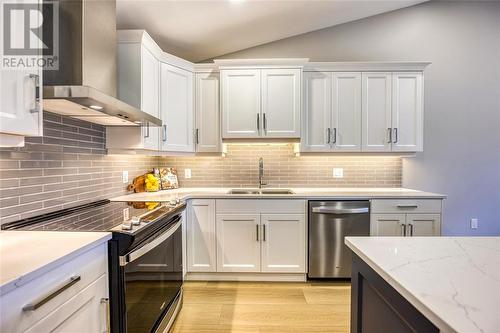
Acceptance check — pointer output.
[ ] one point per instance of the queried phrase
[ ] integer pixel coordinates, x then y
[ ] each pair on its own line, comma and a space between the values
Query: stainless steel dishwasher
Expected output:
329, 223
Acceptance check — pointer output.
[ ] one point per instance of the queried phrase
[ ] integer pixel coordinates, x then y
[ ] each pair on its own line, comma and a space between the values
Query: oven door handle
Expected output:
128, 258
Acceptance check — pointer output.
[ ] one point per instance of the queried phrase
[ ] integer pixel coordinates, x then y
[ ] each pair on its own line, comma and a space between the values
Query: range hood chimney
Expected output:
84, 86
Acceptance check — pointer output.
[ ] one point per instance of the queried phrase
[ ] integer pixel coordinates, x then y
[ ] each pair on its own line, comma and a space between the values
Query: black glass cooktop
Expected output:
101, 215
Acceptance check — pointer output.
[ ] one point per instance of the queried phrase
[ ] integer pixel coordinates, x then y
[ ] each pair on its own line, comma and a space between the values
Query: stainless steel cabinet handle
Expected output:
330, 210
395, 135
36, 80
334, 141
263, 232
107, 314
411, 229
258, 123
329, 134
389, 130
257, 232
265, 121
407, 206
403, 231
147, 130
44, 299
197, 136
164, 134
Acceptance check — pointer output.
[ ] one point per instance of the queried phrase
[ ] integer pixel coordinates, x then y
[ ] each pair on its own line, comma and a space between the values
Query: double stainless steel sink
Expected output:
260, 191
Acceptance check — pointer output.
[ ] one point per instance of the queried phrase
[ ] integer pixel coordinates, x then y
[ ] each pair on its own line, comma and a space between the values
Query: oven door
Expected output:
153, 280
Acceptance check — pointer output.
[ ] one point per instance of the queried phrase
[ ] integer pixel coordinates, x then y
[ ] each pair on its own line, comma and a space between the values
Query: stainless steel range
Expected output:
145, 257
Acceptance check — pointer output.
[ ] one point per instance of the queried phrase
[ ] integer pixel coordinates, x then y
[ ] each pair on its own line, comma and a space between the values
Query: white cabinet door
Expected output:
316, 119
150, 100
387, 225
281, 92
21, 89
407, 112
423, 224
86, 311
283, 243
240, 94
346, 121
376, 111
176, 109
207, 133
238, 243
201, 245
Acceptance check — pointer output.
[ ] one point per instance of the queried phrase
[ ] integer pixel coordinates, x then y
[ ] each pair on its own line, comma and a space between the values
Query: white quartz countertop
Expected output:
299, 193
453, 281
24, 255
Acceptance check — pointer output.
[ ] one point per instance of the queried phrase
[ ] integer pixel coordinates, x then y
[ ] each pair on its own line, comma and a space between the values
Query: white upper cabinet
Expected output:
376, 111
407, 112
150, 89
281, 91
20, 95
346, 120
317, 116
207, 132
240, 93
176, 109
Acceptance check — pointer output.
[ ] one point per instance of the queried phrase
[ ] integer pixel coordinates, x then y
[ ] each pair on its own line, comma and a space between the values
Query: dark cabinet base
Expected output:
376, 307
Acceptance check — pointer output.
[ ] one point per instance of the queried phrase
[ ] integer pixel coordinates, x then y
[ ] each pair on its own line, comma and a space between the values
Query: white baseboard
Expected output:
259, 277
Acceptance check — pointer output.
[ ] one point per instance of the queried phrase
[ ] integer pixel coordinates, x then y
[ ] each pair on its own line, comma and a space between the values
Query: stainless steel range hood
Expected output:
84, 86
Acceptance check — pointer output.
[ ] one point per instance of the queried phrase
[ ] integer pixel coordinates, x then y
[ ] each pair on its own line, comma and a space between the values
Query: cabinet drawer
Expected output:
89, 266
263, 206
382, 206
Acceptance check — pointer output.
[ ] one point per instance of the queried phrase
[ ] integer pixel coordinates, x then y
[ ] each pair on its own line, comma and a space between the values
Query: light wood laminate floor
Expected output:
258, 307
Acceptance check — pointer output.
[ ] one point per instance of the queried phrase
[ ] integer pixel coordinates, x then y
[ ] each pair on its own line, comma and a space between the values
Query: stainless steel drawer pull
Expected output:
164, 136
42, 300
407, 206
331, 210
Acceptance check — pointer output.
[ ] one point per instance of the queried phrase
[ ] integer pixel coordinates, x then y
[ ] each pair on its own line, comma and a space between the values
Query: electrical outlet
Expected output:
187, 173
338, 173
474, 223
126, 214
125, 177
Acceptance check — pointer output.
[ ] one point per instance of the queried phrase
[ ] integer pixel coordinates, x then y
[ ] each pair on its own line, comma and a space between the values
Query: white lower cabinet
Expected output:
387, 224
423, 224
238, 244
283, 243
201, 250
68, 298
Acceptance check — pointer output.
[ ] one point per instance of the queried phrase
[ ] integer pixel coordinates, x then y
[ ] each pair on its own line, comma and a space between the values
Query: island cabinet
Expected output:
377, 307
246, 236
261, 103
407, 217
64, 299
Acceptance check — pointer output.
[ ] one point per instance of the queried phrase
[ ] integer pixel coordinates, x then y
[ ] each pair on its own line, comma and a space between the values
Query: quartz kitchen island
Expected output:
425, 284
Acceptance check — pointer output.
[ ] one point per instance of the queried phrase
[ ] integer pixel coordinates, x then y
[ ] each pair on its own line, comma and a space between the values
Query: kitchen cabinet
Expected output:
21, 95
259, 103
176, 109
139, 86
241, 98
283, 242
406, 217
207, 113
66, 298
238, 243
201, 241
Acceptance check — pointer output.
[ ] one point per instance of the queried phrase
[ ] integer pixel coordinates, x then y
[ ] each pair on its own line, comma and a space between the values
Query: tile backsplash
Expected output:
282, 169
69, 165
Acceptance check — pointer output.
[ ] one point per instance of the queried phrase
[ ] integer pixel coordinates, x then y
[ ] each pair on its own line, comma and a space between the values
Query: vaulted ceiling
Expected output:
198, 30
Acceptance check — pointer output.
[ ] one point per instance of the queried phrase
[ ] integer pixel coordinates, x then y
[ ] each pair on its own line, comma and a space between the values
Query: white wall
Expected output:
462, 95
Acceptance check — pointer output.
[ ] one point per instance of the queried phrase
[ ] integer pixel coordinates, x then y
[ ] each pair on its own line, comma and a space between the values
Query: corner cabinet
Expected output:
362, 112
260, 103
406, 217
200, 231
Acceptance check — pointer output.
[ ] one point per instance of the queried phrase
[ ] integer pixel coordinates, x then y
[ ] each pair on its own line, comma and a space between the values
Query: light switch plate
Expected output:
474, 223
338, 173
187, 173
125, 177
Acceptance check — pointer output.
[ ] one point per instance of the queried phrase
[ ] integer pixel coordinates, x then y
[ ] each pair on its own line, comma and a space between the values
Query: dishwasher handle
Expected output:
333, 210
